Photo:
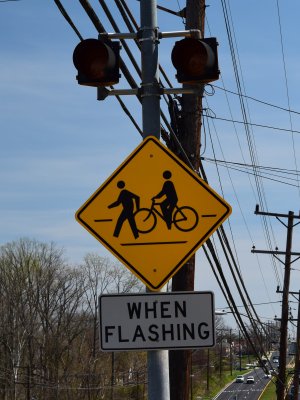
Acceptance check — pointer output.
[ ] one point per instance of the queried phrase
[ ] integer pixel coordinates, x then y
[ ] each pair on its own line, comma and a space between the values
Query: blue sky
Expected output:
59, 144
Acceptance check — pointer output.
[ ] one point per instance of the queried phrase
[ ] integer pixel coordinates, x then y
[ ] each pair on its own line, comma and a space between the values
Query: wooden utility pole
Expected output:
189, 137
281, 379
297, 356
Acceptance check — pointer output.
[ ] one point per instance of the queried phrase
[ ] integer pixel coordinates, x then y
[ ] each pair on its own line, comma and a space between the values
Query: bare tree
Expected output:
49, 324
40, 298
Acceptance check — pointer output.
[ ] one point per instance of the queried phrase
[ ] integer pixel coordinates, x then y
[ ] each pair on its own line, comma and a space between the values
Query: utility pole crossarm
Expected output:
292, 253
281, 291
257, 212
191, 33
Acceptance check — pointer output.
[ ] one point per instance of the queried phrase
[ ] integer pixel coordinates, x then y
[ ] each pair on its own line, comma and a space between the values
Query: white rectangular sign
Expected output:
177, 320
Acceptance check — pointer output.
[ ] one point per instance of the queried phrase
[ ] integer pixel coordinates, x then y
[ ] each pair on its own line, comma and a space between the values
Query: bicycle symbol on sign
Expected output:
184, 218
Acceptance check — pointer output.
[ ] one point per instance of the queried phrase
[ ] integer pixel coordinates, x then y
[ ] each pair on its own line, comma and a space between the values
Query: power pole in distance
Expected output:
281, 379
297, 356
297, 352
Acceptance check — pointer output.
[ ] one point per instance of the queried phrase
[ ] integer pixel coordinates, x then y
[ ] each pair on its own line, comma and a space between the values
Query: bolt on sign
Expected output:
153, 213
181, 320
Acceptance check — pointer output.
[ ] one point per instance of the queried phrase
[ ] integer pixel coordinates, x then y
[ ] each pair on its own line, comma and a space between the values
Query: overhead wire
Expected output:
67, 18
273, 261
222, 282
244, 219
231, 301
229, 256
237, 198
124, 43
98, 25
255, 99
285, 171
220, 183
272, 105
287, 89
179, 11
239, 82
100, 28
233, 186
268, 230
243, 157
249, 133
132, 26
238, 167
252, 124
237, 282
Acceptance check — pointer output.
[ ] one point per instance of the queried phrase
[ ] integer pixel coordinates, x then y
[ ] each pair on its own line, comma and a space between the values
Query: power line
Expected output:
244, 109
234, 166
67, 17
282, 170
96, 24
256, 304
257, 100
251, 124
287, 89
246, 123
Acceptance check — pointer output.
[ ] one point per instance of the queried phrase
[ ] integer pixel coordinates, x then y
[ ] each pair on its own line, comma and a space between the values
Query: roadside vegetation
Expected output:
49, 345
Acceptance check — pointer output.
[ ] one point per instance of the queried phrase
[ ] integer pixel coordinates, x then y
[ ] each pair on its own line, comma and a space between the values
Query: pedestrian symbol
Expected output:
126, 199
153, 213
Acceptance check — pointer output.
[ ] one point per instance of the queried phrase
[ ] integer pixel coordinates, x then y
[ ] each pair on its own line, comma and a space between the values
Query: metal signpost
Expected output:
181, 320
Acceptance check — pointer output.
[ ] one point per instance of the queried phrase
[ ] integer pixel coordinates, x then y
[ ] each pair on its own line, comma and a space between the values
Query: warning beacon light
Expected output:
196, 60
97, 62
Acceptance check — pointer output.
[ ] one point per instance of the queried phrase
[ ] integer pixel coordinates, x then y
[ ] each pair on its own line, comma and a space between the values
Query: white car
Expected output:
250, 379
239, 379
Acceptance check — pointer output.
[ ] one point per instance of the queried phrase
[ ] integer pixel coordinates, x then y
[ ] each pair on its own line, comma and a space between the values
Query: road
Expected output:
245, 391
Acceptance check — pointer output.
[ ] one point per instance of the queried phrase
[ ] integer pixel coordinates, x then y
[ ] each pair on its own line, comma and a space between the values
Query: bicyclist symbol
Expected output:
153, 213
165, 207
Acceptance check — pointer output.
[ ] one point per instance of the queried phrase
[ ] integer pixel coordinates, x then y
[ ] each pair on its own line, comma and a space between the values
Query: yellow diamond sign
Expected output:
153, 213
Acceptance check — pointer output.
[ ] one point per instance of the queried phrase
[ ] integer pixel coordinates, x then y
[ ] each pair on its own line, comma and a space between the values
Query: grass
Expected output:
269, 393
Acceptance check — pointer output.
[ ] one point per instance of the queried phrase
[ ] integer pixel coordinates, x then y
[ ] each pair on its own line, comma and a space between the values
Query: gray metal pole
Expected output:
158, 360
150, 78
